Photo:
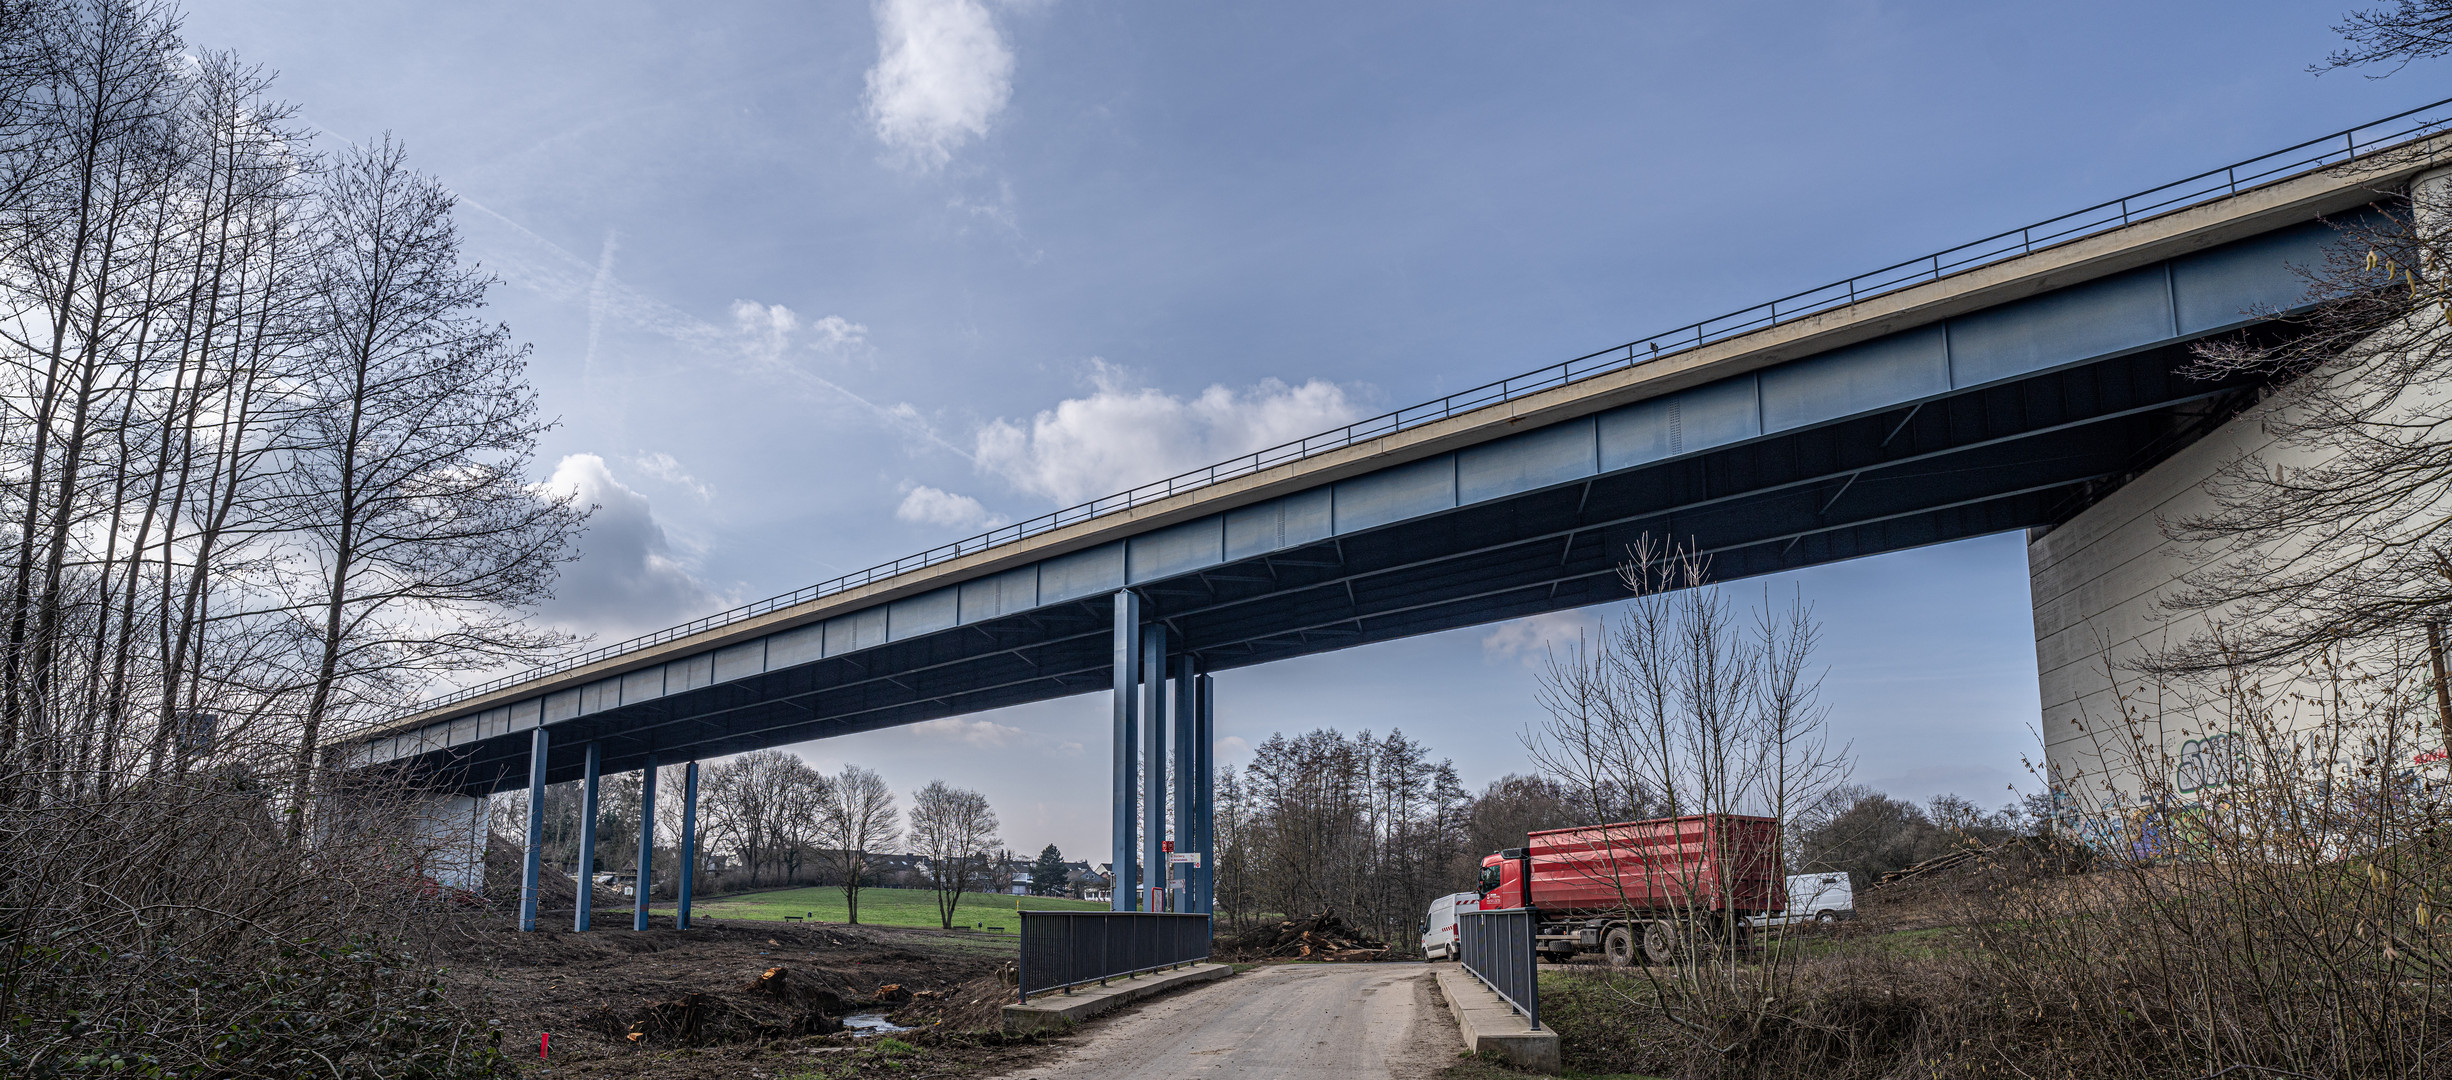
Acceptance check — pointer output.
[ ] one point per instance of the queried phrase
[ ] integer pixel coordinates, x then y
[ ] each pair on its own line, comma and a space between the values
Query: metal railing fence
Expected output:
2365, 140
1064, 949
1497, 948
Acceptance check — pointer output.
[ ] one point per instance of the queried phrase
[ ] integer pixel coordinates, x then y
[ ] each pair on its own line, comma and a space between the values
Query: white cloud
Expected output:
765, 331
1531, 639
931, 506
1116, 438
627, 580
667, 468
835, 332
942, 73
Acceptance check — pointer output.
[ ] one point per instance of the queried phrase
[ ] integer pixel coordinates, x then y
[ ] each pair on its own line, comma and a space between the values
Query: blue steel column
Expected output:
1153, 764
689, 844
647, 846
1187, 838
587, 840
532, 867
1127, 744
1204, 799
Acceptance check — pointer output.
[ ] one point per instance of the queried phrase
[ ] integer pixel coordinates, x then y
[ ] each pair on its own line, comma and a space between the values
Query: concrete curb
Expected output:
1055, 1011
1489, 1024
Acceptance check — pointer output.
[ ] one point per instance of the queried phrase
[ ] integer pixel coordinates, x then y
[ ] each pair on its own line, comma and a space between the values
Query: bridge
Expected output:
2011, 383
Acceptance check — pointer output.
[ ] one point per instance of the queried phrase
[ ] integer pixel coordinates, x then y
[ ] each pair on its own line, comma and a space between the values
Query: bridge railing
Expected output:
1497, 947
1064, 949
2365, 140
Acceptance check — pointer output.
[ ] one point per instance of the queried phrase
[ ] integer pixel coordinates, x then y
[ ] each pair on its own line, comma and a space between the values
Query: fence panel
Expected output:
1498, 950
1063, 949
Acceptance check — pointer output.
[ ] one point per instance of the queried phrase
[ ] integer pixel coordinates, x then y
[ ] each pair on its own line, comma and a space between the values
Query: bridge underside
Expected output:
2009, 456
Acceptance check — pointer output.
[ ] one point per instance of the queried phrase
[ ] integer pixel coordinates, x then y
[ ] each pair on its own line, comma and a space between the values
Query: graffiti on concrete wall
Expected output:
2208, 763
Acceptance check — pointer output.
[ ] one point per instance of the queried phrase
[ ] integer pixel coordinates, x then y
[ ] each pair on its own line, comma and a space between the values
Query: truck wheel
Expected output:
1826, 921
1619, 944
1660, 943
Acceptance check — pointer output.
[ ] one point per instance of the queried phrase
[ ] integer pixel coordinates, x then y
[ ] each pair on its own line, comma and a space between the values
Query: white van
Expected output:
1819, 899
1439, 925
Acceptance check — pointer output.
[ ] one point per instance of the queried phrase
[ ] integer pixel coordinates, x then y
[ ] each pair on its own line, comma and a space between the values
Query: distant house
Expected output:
1094, 885
1080, 881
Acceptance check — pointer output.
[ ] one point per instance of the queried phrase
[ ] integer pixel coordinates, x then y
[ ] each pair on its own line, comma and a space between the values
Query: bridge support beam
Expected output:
1153, 765
1127, 746
689, 845
1187, 804
532, 864
647, 846
1204, 795
586, 871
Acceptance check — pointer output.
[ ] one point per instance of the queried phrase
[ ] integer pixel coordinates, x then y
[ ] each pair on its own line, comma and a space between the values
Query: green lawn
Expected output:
880, 907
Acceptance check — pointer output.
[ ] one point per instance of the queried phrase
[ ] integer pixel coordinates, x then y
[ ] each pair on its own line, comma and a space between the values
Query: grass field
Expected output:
879, 907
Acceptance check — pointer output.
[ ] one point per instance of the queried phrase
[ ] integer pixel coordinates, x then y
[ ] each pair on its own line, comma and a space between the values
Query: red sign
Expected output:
1166, 845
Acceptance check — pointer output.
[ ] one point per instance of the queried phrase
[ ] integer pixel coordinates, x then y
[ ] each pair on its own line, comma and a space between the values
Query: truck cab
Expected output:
1501, 885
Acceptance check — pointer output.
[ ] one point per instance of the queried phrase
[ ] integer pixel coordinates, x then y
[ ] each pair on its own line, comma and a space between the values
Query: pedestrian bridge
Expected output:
2005, 384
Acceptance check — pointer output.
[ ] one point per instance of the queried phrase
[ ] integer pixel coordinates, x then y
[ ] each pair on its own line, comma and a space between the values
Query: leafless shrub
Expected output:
169, 928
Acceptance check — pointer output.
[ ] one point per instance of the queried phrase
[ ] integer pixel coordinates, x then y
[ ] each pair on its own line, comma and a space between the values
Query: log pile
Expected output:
1317, 937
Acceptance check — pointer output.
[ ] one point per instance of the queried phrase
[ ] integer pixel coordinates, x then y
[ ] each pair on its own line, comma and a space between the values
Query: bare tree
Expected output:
425, 538
762, 805
1680, 699
954, 829
859, 819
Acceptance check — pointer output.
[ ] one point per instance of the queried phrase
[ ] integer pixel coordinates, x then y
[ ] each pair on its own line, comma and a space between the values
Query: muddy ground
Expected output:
740, 999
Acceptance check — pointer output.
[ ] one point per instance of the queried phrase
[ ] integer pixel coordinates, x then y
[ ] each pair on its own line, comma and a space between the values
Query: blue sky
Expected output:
816, 285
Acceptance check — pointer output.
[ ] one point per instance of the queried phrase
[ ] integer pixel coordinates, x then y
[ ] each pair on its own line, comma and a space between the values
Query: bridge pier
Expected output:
1153, 765
1204, 795
1187, 744
451, 840
1126, 892
532, 864
689, 845
587, 840
647, 846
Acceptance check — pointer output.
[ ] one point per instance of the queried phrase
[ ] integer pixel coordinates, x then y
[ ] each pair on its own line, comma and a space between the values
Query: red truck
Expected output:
1656, 886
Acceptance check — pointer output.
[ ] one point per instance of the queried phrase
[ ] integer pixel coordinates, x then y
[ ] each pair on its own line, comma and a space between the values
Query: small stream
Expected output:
863, 1025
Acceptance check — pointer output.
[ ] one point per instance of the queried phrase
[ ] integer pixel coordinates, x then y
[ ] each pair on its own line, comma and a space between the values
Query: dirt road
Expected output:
1289, 1021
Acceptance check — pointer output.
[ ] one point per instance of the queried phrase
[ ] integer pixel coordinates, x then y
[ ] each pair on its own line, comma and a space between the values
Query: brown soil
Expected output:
739, 999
